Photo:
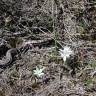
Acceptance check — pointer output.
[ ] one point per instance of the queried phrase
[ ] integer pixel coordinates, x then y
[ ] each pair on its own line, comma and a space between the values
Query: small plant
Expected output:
93, 65
83, 23
88, 83
65, 52
7, 20
38, 72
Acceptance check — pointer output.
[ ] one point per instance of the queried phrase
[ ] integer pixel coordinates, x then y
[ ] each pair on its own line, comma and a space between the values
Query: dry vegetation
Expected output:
57, 23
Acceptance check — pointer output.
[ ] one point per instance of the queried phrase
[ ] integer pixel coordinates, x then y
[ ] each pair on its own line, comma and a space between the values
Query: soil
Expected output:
57, 23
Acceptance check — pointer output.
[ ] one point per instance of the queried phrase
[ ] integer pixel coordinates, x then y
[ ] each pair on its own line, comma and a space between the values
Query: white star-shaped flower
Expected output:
66, 52
38, 72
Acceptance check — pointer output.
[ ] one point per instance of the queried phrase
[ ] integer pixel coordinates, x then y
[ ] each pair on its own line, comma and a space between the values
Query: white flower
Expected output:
38, 72
8, 19
66, 52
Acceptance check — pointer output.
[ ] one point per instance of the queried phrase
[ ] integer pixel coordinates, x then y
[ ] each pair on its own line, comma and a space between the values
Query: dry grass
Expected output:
67, 22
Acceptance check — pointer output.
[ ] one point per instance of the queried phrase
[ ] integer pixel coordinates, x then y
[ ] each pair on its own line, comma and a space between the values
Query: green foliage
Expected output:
83, 24
88, 82
92, 64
